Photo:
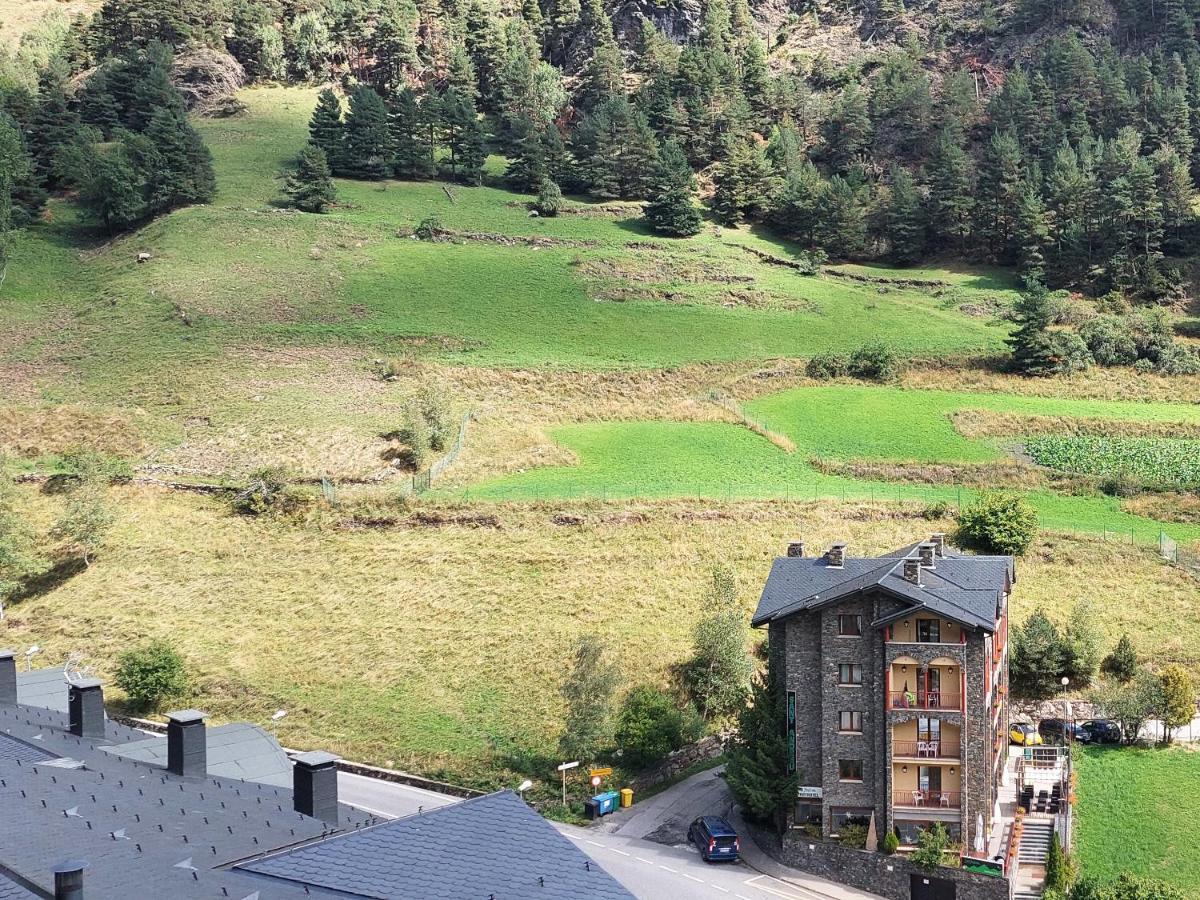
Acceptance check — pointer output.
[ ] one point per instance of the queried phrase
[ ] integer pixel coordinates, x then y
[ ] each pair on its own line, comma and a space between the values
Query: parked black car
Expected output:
1059, 731
1102, 731
714, 838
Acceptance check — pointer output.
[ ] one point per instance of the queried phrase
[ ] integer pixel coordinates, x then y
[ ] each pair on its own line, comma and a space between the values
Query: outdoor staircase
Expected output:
1035, 842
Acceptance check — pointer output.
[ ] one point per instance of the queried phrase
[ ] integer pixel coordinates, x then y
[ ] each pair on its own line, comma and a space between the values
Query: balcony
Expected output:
930, 749
925, 631
928, 700
927, 799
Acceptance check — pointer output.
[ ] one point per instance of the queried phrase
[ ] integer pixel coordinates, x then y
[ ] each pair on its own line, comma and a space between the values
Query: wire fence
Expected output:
420, 482
1170, 550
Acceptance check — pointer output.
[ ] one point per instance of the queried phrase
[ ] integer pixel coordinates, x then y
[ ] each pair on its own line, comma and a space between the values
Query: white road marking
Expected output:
772, 890
669, 869
374, 812
693, 877
719, 888
615, 850
593, 843
643, 859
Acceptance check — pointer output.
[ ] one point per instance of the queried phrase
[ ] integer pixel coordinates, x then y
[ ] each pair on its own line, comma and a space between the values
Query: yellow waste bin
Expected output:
626, 797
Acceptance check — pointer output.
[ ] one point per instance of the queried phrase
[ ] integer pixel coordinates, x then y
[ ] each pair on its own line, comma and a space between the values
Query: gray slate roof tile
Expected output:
488, 845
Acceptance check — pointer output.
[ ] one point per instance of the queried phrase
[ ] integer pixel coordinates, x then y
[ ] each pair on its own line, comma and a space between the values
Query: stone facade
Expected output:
888, 876
807, 649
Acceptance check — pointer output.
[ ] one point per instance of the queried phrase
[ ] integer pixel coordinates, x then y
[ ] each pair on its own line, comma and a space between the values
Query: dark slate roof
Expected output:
965, 589
14, 750
46, 688
239, 750
143, 831
487, 845
10, 890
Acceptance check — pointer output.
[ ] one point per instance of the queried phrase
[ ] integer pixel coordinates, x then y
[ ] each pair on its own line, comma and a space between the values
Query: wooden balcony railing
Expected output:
925, 700
930, 799
931, 749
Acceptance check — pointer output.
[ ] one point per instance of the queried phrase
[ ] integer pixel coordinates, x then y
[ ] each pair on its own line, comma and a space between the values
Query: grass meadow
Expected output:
1137, 812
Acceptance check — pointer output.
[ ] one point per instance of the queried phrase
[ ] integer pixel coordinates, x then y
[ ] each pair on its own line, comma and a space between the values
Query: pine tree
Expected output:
794, 209
325, 128
310, 188
1032, 351
113, 192
1122, 663
847, 129
951, 194
840, 228
904, 219
464, 137
1001, 183
411, 154
52, 128
366, 149
744, 184
527, 168
182, 172
1032, 235
757, 767
672, 209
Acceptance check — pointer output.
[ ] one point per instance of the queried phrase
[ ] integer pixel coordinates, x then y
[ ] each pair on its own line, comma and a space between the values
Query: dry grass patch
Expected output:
1118, 383
1169, 507
419, 645
31, 431
980, 423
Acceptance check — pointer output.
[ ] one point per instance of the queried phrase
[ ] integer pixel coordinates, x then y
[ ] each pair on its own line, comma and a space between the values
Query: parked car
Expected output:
1059, 731
714, 838
1102, 731
1023, 734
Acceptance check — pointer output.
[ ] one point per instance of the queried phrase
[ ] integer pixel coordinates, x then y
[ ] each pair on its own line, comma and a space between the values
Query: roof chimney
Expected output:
314, 785
836, 555
912, 570
795, 548
68, 879
926, 552
8, 678
187, 744
938, 539
85, 703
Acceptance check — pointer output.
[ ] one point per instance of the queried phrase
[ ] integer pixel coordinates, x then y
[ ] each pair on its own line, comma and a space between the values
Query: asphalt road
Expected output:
386, 798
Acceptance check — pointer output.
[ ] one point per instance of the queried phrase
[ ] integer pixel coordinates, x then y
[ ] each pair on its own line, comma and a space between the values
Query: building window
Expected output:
849, 815
909, 831
929, 631
850, 625
850, 720
850, 770
849, 673
808, 813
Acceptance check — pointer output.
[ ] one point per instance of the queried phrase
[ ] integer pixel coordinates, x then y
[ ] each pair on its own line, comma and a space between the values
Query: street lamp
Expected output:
275, 717
1070, 712
29, 655
523, 787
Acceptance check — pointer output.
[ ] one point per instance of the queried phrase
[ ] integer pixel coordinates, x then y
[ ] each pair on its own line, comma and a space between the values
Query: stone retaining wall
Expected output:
887, 876
682, 759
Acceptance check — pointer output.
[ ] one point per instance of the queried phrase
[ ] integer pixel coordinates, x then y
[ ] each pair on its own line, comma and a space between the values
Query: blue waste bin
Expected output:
607, 802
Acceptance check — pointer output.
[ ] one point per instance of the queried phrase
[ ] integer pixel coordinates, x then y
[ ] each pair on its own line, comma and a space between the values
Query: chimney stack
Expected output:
314, 785
926, 552
187, 743
912, 570
85, 703
8, 678
836, 555
68, 879
795, 548
938, 539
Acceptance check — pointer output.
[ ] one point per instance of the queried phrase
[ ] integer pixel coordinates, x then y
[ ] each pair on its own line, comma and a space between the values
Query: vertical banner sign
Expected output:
791, 732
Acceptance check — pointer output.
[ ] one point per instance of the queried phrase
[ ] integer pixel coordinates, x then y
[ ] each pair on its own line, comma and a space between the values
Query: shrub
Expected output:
415, 435
151, 674
429, 228
1122, 663
1178, 360
931, 847
719, 671
588, 692
1039, 655
549, 198
1068, 351
1109, 341
890, 843
938, 509
826, 365
853, 835
998, 523
265, 489
874, 362
434, 410
650, 725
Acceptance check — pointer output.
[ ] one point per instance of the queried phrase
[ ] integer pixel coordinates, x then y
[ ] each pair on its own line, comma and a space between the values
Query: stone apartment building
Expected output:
896, 672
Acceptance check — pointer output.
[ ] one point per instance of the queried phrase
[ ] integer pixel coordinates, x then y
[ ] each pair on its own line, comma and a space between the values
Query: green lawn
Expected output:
718, 460
1138, 811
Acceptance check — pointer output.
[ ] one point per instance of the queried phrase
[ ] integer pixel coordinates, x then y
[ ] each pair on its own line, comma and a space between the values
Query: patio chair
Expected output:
945, 798
918, 798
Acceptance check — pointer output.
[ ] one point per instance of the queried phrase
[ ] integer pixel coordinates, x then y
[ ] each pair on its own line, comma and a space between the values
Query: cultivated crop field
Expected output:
1159, 461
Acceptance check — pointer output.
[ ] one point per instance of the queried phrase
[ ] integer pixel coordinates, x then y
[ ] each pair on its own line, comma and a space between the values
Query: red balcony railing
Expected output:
931, 749
925, 700
927, 799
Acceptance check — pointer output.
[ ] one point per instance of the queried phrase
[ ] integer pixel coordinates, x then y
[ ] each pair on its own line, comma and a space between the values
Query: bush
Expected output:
717, 675
1122, 663
853, 835
1069, 352
416, 436
435, 411
549, 198
827, 365
429, 228
1178, 360
890, 843
998, 523
874, 362
264, 491
1109, 341
651, 725
151, 674
938, 509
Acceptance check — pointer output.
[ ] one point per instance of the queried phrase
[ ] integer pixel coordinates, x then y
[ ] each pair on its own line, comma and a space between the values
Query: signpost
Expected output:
563, 769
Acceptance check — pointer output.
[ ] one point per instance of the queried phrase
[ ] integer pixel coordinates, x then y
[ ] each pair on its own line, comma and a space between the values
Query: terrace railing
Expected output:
943, 700
922, 799
933, 749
